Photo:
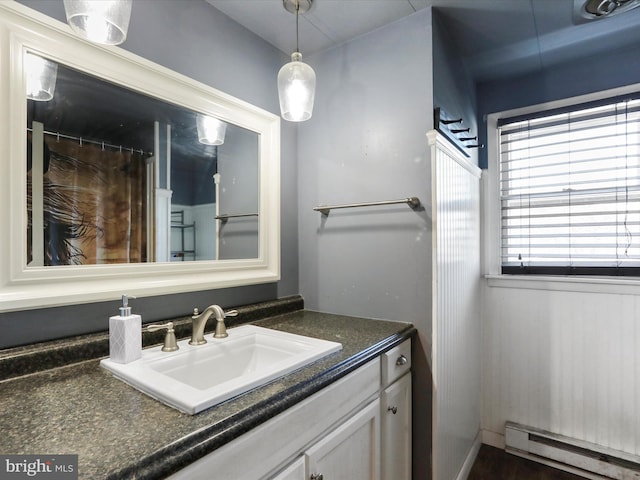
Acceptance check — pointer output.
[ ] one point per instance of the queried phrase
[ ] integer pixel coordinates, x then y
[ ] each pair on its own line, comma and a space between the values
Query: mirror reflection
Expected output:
115, 176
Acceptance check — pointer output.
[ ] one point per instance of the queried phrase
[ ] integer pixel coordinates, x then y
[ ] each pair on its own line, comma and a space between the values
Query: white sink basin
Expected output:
194, 378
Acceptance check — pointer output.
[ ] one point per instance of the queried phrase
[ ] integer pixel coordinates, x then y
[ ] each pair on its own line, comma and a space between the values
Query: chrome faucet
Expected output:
200, 320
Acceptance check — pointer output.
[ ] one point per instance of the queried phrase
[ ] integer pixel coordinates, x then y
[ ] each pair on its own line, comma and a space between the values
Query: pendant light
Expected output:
41, 77
99, 21
296, 79
211, 131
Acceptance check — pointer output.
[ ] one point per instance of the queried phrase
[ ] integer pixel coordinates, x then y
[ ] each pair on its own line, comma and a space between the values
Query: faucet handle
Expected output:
221, 328
170, 344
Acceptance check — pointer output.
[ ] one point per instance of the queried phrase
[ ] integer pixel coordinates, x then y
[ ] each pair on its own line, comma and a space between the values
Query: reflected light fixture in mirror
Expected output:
41, 77
211, 131
99, 21
296, 79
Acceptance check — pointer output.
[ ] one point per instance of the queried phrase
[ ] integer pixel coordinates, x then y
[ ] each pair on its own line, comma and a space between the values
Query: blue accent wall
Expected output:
593, 74
453, 88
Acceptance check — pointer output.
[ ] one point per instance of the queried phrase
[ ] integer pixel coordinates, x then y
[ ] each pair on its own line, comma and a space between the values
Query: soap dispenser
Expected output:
125, 334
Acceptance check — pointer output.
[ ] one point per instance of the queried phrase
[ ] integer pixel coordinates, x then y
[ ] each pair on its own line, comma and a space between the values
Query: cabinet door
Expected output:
396, 430
295, 471
351, 451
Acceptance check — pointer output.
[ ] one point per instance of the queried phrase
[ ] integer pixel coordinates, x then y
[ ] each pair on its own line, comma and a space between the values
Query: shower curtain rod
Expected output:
103, 144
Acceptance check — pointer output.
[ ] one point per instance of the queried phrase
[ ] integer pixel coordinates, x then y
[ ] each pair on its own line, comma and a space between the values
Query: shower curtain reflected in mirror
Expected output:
93, 204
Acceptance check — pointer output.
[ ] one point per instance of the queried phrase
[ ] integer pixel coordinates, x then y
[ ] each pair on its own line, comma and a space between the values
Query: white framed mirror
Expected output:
153, 203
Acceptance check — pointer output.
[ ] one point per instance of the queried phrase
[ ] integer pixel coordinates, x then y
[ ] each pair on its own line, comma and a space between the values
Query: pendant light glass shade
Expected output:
99, 21
211, 131
41, 77
296, 89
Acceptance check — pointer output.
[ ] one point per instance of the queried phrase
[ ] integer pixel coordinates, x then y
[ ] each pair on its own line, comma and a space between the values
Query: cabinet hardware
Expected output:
393, 409
316, 476
402, 360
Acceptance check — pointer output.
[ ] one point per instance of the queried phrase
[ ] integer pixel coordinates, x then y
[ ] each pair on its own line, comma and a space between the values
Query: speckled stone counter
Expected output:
120, 433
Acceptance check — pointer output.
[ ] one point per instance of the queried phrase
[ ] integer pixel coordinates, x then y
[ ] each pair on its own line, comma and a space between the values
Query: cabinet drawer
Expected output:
396, 362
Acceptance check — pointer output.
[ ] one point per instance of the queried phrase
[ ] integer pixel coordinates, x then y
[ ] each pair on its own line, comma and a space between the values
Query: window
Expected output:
570, 190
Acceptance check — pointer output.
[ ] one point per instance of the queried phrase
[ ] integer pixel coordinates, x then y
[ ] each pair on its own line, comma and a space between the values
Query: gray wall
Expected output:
366, 142
191, 38
239, 177
602, 72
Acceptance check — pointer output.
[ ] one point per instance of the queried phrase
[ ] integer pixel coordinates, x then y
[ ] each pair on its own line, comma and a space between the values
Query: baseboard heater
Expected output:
581, 458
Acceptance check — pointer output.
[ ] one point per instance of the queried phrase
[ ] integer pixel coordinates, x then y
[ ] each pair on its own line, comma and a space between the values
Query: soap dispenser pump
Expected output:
125, 334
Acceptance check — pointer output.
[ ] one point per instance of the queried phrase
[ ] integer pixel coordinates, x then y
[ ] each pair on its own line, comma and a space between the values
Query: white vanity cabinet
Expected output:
395, 403
347, 430
279, 443
351, 451
296, 471
396, 430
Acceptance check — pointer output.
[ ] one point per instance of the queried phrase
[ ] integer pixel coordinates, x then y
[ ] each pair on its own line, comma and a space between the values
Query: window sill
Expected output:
617, 285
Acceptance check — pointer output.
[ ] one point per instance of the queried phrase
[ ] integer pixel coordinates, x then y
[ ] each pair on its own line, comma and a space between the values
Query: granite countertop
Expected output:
119, 433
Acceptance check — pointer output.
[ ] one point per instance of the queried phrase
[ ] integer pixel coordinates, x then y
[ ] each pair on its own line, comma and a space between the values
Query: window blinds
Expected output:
570, 191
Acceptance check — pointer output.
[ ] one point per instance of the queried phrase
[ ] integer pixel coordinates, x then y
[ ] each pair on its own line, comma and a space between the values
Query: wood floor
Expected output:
495, 464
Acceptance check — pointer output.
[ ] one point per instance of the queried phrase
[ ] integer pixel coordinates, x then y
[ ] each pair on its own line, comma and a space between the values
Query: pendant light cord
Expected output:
297, 10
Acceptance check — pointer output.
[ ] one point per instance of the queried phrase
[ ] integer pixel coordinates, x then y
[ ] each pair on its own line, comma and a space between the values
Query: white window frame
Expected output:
491, 262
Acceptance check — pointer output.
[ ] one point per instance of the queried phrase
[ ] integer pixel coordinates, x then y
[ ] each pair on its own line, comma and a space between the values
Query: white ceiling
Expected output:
327, 23
496, 38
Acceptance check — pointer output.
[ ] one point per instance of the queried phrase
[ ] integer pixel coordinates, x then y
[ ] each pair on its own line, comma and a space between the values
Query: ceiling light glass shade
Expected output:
99, 21
296, 89
41, 77
596, 9
211, 131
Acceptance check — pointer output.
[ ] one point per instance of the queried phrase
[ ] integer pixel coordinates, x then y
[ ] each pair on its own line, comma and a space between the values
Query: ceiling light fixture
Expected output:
211, 131
99, 21
41, 77
595, 9
296, 79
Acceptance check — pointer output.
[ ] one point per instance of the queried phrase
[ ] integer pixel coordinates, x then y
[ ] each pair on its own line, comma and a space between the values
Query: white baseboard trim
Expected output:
471, 458
493, 439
